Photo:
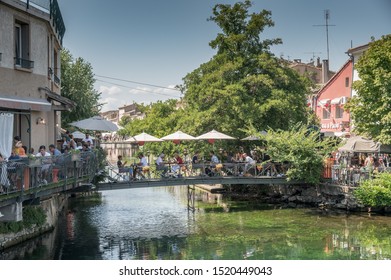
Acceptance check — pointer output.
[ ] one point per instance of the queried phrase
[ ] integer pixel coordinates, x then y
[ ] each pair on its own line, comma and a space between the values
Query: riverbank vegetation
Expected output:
375, 192
302, 149
32, 216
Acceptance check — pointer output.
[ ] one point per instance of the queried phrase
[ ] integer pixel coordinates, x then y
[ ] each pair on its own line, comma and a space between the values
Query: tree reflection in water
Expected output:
149, 224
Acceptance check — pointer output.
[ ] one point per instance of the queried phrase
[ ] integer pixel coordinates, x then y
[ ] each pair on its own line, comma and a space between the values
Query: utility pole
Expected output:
327, 17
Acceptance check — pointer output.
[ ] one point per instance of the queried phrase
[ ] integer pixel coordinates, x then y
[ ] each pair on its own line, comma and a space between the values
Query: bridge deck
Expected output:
259, 180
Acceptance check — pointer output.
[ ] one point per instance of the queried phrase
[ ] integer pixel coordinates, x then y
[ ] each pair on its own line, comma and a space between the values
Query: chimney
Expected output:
325, 71
318, 62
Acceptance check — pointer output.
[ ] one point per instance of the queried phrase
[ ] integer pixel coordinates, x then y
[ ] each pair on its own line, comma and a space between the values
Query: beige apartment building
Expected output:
31, 34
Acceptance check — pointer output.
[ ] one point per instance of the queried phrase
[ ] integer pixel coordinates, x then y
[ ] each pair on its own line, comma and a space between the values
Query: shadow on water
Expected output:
155, 224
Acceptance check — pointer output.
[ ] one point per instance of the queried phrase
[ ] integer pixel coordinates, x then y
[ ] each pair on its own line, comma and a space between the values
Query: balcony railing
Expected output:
37, 172
24, 63
56, 79
51, 7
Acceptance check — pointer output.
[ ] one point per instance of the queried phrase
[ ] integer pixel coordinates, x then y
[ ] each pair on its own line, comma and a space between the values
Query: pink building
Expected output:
332, 97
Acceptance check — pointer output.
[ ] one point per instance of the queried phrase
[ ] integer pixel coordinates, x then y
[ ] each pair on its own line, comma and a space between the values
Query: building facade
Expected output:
31, 34
331, 99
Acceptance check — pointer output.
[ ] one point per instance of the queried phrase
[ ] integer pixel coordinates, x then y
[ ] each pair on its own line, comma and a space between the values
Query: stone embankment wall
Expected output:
323, 196
52, 208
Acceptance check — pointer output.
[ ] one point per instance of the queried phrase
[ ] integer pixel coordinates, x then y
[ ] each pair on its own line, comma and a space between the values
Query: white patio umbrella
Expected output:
213, 135
80, 135
178, 136
145, 137
96, 123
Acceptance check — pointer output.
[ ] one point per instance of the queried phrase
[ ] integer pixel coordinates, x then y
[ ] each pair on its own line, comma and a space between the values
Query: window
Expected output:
338, 112
347, 82
326, 113
22, 46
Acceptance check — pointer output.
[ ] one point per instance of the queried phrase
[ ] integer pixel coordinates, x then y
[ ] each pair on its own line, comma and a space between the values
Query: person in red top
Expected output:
178, 163
178, 159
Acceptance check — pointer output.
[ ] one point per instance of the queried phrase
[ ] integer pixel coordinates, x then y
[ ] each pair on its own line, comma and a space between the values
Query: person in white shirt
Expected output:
160, 164
88, 140
142, 166
249, 162
45, 163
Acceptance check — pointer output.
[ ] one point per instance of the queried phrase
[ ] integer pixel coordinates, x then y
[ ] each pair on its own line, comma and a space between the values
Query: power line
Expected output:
128, 81
139, 89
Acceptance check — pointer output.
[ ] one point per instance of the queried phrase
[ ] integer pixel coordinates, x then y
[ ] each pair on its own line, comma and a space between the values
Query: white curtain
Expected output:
6, 128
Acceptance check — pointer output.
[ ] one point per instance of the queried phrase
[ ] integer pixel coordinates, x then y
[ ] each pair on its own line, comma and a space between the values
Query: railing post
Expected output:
191, 198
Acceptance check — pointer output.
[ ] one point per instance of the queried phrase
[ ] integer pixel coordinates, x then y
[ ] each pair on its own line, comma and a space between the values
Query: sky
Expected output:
140, 49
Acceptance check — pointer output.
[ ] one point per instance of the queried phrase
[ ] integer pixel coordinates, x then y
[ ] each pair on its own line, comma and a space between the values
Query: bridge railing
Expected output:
205, 169
35, 172
353, 176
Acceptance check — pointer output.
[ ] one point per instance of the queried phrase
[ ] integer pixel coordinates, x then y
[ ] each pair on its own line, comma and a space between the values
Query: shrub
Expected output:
375, 192
302, 149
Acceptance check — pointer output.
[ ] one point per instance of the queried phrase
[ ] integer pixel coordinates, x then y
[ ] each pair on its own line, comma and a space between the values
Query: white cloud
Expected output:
109, 90
114, 97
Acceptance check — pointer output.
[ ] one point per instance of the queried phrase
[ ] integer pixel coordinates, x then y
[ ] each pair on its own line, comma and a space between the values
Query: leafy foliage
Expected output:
243, 84
302, 149
371, 107
376, 192
77, 84
32, 216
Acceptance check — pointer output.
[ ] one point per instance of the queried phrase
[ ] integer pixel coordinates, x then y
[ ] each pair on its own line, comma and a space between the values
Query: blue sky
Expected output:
156, 42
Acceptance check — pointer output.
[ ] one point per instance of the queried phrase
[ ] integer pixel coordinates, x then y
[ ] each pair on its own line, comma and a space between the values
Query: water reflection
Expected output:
155, 224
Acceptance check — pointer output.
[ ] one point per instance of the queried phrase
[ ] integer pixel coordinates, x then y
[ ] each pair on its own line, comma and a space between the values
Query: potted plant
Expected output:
75, 154
34, 161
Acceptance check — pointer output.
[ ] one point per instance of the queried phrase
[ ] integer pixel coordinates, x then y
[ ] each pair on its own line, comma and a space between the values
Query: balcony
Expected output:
23, 63
52, 8
56, 79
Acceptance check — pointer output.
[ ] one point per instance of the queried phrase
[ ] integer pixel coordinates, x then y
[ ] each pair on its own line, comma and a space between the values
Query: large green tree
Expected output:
244, 83
77, 84
371, 107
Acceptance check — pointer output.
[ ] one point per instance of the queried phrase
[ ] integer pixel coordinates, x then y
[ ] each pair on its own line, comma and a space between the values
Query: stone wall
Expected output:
52, 208
323, 196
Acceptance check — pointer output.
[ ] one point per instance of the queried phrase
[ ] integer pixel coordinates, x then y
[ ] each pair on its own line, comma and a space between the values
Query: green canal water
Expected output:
154, 223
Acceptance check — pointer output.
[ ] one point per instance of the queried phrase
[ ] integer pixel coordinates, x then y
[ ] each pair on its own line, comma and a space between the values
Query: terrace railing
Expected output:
36, 172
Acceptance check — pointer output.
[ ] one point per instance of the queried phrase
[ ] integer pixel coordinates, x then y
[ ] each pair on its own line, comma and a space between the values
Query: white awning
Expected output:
33, 104
336, 100
324, 101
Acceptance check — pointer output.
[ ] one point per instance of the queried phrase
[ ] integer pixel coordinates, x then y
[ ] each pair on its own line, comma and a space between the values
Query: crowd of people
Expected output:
355, 163
48, 157
183, 164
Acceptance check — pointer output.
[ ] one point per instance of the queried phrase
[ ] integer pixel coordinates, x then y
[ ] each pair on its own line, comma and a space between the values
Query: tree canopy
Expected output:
371, 107
77, 84
243, 84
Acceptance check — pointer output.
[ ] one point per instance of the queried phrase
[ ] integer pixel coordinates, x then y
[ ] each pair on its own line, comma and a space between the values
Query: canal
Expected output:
154, 223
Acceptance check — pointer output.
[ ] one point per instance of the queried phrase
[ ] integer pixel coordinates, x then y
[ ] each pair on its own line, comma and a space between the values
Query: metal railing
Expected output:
170, 171
24, 63
56, 79
51, 7
353, 176
33, 173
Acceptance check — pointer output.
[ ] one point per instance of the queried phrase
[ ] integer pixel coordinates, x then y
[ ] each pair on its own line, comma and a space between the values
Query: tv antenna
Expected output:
327, 17
313, 54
